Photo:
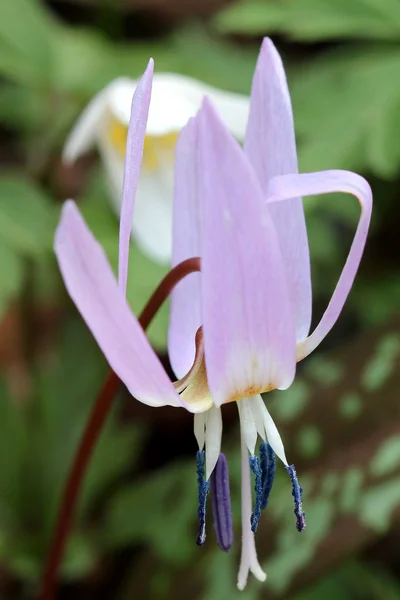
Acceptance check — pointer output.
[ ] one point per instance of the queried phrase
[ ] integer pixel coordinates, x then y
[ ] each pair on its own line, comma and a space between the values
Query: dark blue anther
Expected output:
203, 487
221, 504
255, 467
268, 465
297, 495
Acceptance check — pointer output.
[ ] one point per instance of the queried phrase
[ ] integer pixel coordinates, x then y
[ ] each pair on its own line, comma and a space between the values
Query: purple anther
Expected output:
221, 504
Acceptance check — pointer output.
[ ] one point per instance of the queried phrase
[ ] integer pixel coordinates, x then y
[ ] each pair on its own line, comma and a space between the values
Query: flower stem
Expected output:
92, 432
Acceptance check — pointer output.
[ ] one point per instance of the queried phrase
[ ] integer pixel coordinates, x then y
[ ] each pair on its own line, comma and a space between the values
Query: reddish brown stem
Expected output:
92, 431
165, 288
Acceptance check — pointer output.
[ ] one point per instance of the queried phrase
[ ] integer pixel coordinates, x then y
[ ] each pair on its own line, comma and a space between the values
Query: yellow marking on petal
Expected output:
193, 387
118, 132
251, 390
197, 393
157, 150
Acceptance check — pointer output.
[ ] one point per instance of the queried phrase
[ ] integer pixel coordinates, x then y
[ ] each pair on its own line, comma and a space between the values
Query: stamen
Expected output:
256, 514
297, 495
268, 465
221, 504
203, 487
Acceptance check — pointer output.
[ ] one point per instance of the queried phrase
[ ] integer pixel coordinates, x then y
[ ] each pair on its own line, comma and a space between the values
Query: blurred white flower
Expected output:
104, 122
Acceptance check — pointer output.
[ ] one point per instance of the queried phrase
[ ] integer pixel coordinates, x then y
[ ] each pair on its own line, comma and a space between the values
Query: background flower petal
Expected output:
84, 133
152, 221
185, 299
270, 144
133, 163
93, 288
176, 98
247, 315
325, 182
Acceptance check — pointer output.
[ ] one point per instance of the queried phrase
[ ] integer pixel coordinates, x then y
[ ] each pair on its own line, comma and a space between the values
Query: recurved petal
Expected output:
247, 315
185, 299
325, 182
92, 286
133, 162
270, 144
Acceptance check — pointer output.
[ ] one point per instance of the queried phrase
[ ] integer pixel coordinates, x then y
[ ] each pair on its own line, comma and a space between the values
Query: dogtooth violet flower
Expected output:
104, 122
237, 328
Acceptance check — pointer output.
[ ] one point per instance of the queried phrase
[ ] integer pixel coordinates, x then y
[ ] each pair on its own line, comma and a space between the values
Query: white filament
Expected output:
199, 428
213, 436
247, 425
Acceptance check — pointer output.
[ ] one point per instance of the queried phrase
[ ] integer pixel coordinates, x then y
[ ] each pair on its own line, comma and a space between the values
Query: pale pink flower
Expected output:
241, 211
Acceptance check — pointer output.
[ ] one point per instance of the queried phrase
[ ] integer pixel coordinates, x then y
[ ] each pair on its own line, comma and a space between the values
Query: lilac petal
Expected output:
325, 182
92, 286
185, 316
249, 334
271, 147
133, 163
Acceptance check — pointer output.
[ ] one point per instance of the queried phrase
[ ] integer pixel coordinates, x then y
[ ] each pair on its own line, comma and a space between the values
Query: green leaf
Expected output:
66, 391
23, 556
27, 218
159, 511
116, 452
377, 298
85, 61
251, 17
219, 63
344, 110
314, 20
25, 41
80, 557
11, 275
354, 580
20, 107
13, 447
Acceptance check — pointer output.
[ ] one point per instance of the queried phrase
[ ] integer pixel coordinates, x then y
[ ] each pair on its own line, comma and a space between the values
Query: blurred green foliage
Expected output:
343, 63
37, 443
347, 98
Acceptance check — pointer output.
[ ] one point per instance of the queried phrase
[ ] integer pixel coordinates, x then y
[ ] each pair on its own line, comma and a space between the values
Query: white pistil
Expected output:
248, 560
257, 409
255, 419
